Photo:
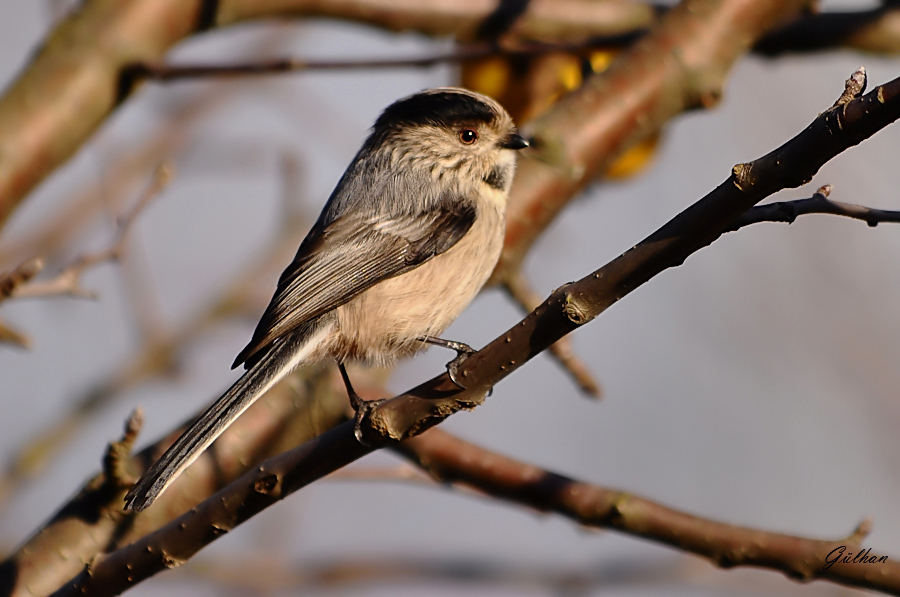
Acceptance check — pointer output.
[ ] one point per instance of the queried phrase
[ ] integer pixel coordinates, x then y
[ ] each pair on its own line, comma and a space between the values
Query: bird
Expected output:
408, 237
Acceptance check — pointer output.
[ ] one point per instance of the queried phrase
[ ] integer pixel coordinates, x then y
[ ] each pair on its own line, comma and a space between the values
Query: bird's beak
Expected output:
514, 141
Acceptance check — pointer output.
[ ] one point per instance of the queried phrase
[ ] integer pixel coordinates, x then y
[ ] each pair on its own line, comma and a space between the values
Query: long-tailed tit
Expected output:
408, 237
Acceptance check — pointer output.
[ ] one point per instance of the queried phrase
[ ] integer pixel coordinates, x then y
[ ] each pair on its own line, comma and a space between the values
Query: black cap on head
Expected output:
437, 108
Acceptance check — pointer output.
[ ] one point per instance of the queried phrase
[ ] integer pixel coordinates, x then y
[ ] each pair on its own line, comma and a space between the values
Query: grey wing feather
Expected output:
350, 255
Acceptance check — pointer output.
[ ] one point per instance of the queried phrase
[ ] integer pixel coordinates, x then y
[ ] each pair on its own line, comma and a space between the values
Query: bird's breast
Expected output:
384, 322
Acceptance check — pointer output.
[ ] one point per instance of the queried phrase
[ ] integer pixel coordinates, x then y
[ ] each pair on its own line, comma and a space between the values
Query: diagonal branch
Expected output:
527, 298
568, 308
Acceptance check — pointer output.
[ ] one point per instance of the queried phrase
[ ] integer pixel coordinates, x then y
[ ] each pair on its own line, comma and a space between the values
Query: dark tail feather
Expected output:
282, 358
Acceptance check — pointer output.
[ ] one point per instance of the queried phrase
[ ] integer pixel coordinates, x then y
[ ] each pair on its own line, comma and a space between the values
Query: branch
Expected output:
68, 282
166, 73
93, 521
10, 281
452, 460
746, 19
568, 308
158, 356
788, 211
521, 292
12, 336
876, 30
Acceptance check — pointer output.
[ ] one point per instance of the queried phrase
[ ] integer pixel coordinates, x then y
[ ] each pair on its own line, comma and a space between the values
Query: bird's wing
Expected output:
350, 255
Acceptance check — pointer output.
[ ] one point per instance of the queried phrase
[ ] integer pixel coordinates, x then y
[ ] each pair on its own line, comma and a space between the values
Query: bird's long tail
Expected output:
284, 356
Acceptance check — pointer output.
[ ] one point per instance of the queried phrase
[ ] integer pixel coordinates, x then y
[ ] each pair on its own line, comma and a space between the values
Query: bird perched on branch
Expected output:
408, 237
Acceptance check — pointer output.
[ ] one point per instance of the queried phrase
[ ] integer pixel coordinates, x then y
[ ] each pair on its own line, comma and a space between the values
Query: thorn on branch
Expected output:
854, 87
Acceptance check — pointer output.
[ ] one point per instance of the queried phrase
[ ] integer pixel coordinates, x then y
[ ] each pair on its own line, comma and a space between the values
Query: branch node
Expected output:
575, 312
854, 87
170, 561
741, 175
521, 292
266, 483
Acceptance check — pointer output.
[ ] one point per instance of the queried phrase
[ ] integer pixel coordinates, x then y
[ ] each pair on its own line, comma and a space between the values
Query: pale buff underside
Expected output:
383, 323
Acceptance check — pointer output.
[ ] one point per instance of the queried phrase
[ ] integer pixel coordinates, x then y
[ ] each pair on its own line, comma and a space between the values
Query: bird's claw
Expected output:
362, 408
462, 353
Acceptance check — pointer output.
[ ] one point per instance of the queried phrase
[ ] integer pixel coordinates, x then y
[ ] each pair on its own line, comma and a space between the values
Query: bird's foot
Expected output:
362, 409
463, 351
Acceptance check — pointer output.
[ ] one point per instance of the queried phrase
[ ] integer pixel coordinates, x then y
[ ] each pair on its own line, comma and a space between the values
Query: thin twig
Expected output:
819, 203
68, 281
468, 53
874, 30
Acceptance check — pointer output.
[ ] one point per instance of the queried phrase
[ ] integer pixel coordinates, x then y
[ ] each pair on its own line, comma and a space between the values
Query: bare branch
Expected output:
156, 357
876, 30
166, 73
68, 282
9, 335
788, 211
568, 308
452, 460
93, 521
10, 282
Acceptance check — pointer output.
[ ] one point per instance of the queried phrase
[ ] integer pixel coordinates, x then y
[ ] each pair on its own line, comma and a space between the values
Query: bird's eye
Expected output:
468, 136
